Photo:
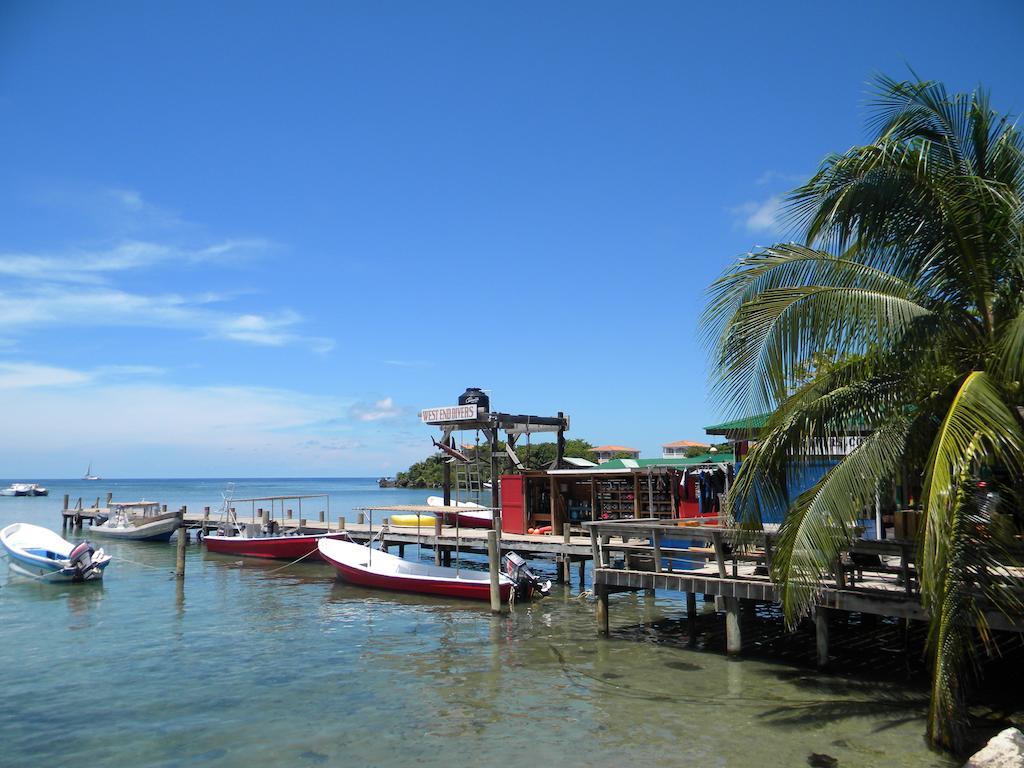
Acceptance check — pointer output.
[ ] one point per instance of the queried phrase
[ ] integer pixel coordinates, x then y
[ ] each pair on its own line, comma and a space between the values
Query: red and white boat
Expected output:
266, 540
470, 515
367, 567
282, 547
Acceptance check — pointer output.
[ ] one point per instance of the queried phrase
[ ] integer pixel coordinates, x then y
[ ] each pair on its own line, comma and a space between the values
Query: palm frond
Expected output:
1009, 362
978, 416
977, 577
771, 335
851, 396
820, 524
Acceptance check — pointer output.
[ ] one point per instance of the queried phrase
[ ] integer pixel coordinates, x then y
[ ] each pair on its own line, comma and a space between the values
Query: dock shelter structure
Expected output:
473, 414
621, 489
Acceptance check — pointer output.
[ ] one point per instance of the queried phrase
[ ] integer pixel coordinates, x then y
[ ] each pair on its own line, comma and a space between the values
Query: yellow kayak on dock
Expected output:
411, 521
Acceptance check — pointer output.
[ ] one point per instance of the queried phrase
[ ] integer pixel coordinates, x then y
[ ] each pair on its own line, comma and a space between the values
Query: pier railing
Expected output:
873, 576
651, 544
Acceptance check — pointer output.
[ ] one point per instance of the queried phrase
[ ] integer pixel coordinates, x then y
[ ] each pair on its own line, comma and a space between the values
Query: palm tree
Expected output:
902, 315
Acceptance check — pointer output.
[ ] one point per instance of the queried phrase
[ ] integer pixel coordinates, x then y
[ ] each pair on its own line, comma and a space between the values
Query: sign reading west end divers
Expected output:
449, 413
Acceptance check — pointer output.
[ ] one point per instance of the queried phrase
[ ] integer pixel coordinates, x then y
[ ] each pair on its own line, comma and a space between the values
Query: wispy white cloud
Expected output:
134, 422
96, 266
764, 216
130, 426
26, 375
186, 416
79, 286
32, 376
270, 331
113, 209
379, 410
55, 305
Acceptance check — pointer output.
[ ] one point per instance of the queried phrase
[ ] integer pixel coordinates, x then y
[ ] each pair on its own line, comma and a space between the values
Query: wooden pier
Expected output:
876, 578
75, 516
566, 550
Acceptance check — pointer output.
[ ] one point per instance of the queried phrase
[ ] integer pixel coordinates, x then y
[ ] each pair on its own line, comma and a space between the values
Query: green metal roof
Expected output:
747, 424
720, 456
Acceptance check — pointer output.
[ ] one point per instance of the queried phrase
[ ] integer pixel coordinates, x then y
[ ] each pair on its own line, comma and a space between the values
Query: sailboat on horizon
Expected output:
89, 475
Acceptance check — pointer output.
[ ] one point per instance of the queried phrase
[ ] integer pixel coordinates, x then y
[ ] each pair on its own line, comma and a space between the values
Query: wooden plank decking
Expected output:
875, 577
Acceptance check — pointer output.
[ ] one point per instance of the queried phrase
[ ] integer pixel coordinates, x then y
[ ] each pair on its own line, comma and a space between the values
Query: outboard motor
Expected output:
525, 581
81, 559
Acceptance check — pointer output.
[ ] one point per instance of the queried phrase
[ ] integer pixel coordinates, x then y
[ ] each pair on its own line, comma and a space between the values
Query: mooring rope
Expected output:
293, 562
135, 562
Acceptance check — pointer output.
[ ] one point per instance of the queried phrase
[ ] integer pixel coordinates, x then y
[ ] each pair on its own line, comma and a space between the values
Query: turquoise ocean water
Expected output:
248, 665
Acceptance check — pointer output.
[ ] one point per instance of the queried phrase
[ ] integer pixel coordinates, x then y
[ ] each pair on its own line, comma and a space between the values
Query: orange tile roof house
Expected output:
678, 449
608, 452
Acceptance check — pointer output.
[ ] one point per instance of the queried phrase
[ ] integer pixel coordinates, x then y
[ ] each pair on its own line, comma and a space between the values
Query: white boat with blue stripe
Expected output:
39, 553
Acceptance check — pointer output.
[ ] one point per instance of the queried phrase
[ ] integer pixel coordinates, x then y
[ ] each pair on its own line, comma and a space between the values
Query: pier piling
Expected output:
691, 618
179, 564
821, 635
566, 559
733, 637
601, 610
341, 523
492, 567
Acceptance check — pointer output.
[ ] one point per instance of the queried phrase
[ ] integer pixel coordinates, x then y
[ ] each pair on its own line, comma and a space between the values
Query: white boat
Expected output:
89, 475
24, 489
475, 516
367, 567
39, 553
138, 521
438, 501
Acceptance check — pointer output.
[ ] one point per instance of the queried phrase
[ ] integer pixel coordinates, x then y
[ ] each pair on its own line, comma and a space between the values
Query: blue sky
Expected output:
255, 239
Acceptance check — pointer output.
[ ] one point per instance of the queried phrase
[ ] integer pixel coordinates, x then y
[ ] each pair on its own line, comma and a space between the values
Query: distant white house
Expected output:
608, 452
679, 448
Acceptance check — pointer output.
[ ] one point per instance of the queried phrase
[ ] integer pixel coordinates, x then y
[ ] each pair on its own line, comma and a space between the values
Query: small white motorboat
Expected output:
138, 521
367, 567
39, 553
475, 516
24, 489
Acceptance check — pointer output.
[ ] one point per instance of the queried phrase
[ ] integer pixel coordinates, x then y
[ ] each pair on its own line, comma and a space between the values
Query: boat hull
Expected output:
443, 587
34, 570
475, 515
158, 530
411, 521
468, 520
270, 547
31, 492
44, 556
